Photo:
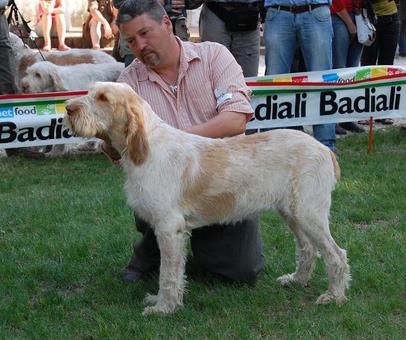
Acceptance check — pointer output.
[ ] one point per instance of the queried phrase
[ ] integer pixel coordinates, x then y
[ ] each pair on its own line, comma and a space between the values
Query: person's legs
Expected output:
346, 53
212, 28
245, 49
280, 41
354, 51
146, 256
231, 251
95, 32
46, 25
7, 68
370, 53
7, 62
244, 46
402, 38
389, 36
61, 30
341, 42
315, 37
388, 39
315, 33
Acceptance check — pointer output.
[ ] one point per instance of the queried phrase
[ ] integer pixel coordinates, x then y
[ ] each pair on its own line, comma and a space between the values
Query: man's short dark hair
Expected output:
130, 9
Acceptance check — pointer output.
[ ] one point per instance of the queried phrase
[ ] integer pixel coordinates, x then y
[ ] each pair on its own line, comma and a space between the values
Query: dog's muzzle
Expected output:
72, 109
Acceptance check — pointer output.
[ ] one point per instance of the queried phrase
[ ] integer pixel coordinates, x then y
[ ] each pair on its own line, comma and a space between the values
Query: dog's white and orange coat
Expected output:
178, 181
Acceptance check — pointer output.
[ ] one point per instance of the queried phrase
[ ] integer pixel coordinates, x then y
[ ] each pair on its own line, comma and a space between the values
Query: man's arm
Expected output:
225, 124
233, 96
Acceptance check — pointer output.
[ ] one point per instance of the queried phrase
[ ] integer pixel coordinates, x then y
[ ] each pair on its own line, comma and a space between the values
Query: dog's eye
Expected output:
37, 75
102, 97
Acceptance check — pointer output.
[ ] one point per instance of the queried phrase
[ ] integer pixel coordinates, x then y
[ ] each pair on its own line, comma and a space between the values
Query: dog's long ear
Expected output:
137, 142
56, 80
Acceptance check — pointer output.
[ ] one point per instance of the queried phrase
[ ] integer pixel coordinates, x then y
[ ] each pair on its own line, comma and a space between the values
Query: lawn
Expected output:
66, 233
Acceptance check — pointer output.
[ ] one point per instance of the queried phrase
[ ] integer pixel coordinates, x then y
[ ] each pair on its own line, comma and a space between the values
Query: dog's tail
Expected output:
337, 171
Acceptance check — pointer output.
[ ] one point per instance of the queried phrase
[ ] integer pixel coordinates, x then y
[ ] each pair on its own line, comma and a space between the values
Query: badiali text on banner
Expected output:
333, 96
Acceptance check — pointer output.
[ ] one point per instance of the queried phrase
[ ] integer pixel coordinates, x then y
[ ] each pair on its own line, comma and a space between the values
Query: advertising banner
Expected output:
333, 96
34, 120
308, 98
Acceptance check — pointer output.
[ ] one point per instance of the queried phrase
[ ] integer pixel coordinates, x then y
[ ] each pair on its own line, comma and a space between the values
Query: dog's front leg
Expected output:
171, 241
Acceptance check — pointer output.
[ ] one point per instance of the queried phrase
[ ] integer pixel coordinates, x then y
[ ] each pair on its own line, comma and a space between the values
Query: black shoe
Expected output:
340, 130
385, 121
132, 275
351, 126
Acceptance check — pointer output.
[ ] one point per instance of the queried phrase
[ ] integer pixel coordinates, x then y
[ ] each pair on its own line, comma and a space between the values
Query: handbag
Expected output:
366, 31
236, 19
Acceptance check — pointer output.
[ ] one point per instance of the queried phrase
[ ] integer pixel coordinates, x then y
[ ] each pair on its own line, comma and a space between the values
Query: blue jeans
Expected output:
313, 32
346, 52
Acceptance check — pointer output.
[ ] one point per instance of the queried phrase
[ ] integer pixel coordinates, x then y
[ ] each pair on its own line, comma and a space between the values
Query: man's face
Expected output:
148, 39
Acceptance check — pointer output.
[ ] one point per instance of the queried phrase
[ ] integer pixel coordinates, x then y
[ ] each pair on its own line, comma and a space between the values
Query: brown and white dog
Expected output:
25, 57
178, 181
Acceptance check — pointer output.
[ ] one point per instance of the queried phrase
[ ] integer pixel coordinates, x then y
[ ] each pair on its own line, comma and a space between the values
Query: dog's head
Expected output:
41, 77
113, 112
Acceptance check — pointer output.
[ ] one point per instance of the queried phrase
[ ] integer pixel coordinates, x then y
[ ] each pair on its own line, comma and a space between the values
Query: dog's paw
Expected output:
161, 309
327, 298
150, 299
285, 280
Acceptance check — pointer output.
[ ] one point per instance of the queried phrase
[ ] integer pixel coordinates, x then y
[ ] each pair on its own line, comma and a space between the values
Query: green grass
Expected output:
66, 233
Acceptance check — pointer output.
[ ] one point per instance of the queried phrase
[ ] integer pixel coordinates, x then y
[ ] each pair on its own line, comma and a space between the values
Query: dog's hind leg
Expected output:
305, 257
171, 241
317, 230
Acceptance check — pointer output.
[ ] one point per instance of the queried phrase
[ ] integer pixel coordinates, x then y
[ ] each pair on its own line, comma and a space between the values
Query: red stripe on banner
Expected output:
296, 84
43, 95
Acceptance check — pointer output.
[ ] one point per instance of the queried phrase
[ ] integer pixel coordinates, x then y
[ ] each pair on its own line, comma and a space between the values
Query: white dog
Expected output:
26, 57
45, 76
178, 181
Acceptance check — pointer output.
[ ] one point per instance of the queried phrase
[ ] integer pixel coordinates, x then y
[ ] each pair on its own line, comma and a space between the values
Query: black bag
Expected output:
236, 19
